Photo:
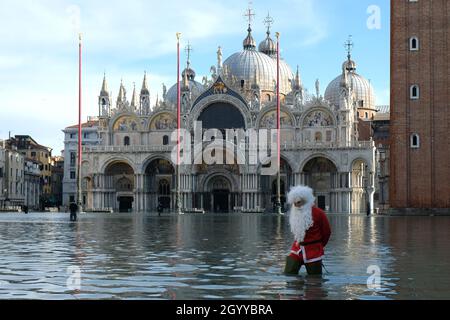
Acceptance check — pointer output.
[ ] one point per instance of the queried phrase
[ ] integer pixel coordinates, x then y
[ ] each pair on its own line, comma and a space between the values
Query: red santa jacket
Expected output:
316, 239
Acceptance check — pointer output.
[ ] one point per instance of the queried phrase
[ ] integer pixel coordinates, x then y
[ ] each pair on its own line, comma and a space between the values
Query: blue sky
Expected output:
38, 51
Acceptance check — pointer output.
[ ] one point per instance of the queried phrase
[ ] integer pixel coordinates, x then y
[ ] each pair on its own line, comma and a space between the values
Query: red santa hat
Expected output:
301, 192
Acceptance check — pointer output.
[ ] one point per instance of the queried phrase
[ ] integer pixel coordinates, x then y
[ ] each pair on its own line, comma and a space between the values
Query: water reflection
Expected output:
217, 257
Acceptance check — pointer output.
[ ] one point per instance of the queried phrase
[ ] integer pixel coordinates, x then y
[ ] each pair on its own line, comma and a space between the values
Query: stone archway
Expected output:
221, 116
320, 174
361, 186
159, 182
87, 196
219, 188
120, 186
269, 185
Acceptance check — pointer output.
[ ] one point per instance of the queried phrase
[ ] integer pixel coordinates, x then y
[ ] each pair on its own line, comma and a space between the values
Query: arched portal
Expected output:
120, 183
159, 181
361, 182
222, 116
219, 188
269, 185
320, 175
87, 196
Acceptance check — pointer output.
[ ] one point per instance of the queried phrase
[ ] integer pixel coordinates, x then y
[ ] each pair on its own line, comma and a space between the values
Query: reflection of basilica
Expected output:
131, 167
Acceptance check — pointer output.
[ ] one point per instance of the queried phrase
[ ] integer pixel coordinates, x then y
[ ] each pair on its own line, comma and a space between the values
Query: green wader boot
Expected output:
292, 266
314, 269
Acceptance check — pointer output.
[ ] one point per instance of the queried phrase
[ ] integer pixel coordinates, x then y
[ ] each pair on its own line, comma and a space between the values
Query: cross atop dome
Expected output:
268, 22
349, 46
250, 14
188, 50
249, 42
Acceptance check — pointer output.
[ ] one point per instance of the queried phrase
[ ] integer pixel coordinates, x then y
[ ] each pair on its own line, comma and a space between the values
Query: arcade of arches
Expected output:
223, 188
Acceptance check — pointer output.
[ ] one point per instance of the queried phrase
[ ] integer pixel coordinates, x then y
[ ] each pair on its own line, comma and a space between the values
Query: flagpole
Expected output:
278, 204
79, 202
179, 211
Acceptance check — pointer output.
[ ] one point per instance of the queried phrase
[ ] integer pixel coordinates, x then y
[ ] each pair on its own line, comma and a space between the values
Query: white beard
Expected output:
301, 221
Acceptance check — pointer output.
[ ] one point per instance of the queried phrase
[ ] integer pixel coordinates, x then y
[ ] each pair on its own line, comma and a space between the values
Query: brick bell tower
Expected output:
420, 107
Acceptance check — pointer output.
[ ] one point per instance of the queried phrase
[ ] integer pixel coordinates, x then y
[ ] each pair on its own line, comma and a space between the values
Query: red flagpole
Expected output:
178, 124
278, 127
79, 121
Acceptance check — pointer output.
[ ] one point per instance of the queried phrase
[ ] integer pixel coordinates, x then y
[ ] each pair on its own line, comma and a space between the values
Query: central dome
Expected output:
250, 64
247, 64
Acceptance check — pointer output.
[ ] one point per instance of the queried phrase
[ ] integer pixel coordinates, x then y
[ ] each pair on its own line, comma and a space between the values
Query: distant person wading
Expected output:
73, 207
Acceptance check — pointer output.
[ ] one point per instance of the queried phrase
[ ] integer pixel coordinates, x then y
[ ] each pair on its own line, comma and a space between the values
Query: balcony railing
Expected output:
284, 147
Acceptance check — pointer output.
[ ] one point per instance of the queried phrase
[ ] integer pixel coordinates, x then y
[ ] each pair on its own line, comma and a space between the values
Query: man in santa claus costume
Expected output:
311, 230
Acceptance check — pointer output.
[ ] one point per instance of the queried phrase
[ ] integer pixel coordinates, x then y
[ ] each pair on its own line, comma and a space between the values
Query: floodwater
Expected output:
121, 256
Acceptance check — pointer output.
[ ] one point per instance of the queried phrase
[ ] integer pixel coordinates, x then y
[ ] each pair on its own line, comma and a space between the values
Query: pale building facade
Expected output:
2, 174
89, 137
32, 184
14, 192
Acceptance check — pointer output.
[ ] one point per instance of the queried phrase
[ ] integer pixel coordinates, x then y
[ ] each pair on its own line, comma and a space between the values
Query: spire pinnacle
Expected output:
145, 89
135, 98
104, 90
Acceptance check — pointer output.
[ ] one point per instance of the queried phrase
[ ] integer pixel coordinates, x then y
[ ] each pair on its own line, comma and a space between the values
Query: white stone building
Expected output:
2, 174
14, 178
131, 168
89, 137
32, 184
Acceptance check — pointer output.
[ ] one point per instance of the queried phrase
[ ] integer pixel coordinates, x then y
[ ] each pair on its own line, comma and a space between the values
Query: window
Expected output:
415, 141
86, 135
166, 140
414, 92
126, 141
72, 199
72, 175
73, 157
269, 98
366, 115
33, 154
414, 44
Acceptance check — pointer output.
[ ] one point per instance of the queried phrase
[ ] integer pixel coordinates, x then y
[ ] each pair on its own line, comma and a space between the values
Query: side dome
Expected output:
365, 94
268, 46
196, 88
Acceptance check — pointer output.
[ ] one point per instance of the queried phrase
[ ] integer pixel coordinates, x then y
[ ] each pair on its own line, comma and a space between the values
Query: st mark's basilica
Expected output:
130, 168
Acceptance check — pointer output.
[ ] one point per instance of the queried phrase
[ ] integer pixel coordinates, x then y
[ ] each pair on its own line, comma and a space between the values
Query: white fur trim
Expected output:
301, 192
309, 261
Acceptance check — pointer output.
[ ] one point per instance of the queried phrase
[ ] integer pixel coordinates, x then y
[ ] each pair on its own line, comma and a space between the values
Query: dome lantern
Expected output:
268, 46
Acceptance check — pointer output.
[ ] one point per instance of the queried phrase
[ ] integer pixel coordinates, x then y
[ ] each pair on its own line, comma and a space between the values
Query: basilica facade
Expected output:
132, 168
